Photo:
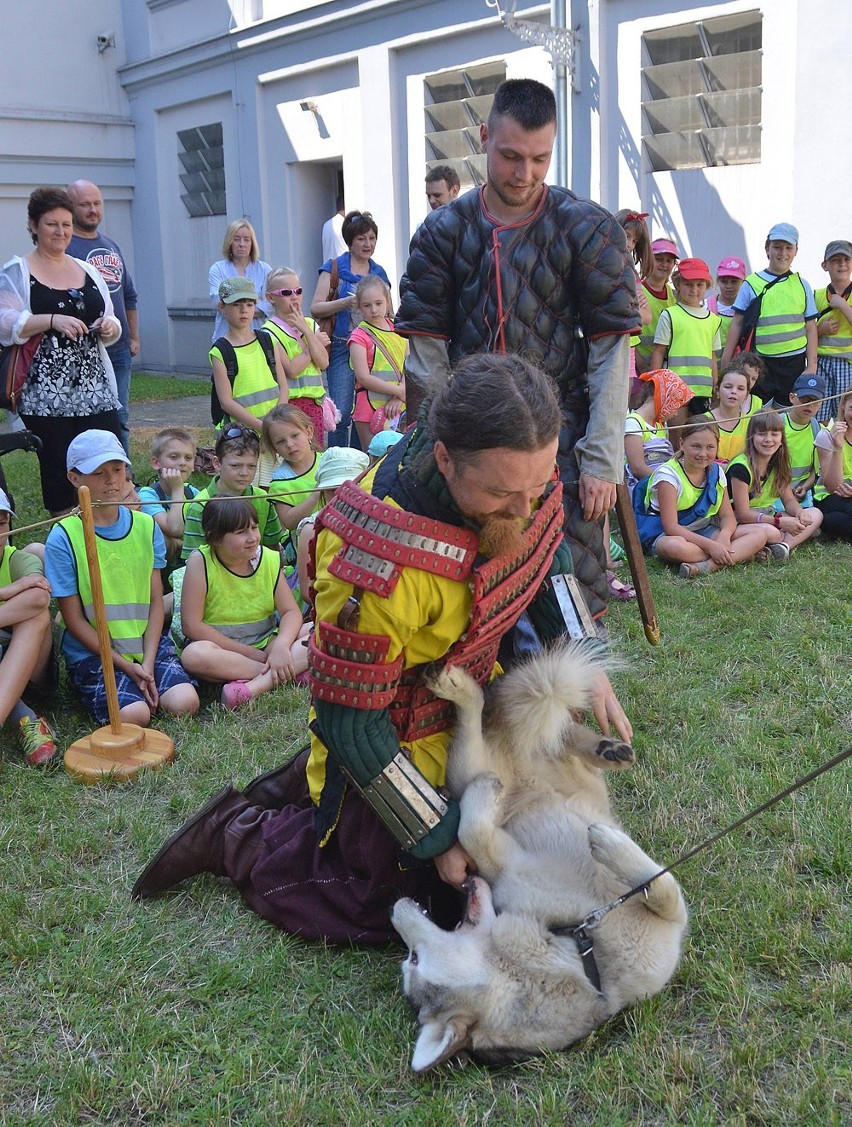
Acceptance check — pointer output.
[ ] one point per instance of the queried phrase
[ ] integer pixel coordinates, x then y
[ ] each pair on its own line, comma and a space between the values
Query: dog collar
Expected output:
586, 947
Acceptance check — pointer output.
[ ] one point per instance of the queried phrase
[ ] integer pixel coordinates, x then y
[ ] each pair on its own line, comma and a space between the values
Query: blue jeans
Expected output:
122, 362
341, 388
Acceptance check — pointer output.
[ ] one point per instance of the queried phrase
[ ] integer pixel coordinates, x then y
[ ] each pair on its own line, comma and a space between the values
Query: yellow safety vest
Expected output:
800, 444
381, 366
841, 343
820, 490
768, 494
690, 493
242, 607
656, 304
310, 384
126, 566
255, 387
781, 328
691, 349
5, 567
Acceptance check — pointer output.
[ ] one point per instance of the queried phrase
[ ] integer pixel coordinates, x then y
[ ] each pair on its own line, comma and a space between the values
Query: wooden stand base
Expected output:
108, 756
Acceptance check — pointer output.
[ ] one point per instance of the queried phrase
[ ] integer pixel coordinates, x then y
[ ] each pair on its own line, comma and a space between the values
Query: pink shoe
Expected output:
235, 695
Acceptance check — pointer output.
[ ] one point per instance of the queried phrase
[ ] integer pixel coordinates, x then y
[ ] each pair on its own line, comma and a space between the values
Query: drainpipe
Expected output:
563, 108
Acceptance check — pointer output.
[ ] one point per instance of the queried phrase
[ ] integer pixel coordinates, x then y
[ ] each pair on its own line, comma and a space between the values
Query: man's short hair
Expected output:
531, 104
443, 172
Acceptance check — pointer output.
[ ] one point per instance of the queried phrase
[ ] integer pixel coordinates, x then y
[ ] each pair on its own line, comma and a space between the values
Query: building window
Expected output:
457, 103
701, 94
202, 159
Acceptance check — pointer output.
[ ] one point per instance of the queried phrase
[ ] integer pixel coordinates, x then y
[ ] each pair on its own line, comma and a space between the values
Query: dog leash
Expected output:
580, 930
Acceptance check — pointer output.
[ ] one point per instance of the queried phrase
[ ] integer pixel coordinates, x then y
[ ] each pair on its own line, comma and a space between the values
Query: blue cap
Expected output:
783, 233
809, 385
380, 443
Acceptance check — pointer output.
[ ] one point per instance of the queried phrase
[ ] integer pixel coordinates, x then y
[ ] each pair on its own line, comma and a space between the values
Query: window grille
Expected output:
457, 102
202, 159
701, 96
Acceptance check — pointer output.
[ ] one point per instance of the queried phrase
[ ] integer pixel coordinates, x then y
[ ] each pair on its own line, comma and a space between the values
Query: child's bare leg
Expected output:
30, 626
747, 541
364, 434
213, 663
676, 549
180, 700
793, 540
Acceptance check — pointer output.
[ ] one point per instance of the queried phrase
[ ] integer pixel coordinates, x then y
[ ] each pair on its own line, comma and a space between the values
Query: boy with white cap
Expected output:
26, 643
834, 327
131, 552
786, 332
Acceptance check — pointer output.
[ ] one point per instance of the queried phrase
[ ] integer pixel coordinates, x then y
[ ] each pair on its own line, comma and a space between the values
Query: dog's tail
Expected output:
534, 702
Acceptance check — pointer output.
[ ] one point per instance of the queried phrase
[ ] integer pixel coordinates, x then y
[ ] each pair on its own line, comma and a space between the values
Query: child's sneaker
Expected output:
37, 740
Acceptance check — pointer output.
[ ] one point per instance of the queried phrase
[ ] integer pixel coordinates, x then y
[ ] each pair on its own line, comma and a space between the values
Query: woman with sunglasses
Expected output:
70, 386
360, 233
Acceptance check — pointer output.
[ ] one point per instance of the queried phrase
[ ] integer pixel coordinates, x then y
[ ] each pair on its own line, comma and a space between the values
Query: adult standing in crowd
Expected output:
241, 256
520, 266
332, 234
360, 233
89, 245
70, 386
481, 503
442, 185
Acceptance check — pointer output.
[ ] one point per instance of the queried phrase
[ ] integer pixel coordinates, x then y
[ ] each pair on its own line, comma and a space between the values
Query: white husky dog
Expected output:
535, 817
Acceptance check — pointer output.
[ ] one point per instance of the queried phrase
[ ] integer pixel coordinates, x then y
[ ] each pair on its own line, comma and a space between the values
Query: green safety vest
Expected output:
310, 384
820, 490
381, 366
690, 493
841, 343
781, 328
767, 496
656, 304
242, 607
126, 566
800, 444
5, 567
254, 386
691, 349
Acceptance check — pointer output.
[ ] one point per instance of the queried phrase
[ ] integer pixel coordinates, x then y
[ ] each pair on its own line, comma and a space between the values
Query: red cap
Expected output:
694, 270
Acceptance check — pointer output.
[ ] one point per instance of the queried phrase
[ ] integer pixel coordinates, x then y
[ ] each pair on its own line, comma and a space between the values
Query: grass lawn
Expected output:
145, 386
191, 1010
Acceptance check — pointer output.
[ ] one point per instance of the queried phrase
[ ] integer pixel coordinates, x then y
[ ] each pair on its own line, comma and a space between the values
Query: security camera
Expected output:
104, 41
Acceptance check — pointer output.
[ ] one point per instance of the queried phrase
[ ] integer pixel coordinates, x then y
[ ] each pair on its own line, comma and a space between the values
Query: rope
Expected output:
594, 918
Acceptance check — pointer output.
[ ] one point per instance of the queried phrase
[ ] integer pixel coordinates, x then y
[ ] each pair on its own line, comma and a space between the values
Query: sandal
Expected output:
619, 590
235, 695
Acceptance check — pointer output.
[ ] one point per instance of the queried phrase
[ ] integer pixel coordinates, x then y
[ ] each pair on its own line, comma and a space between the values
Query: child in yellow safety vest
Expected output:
238, 616
131, 553
683, 512
834, 326
760, 486
688, 333
659, 294
833, 493
377, 357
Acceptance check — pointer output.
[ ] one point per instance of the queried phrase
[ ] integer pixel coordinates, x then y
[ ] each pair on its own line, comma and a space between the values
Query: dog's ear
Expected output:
438, 1041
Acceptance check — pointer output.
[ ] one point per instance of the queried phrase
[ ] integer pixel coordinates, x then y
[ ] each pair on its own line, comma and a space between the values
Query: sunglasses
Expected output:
235, 431
287, 293
78, 300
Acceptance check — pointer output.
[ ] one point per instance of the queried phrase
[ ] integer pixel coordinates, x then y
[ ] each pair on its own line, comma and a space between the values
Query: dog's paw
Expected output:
455, 685
615, 753
605, 842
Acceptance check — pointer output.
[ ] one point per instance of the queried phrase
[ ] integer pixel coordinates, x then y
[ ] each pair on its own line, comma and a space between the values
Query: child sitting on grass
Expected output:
833, 494
237, 450
759, 483
683, 513
239, 620
657, 397
173, 457
131, 552
26, 644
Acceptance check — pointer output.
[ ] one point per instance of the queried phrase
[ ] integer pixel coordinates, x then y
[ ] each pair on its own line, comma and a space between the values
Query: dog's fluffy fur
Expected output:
535, 816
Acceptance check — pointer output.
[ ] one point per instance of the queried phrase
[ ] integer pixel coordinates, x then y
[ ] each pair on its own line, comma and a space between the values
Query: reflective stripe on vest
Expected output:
781, 328
126, 566
800, 445
242, 607
691, 348
656, 304
840, 343
255, 387
310, 384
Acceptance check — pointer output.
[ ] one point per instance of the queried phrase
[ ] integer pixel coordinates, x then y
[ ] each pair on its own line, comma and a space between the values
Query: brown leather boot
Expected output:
282, 786
197, 847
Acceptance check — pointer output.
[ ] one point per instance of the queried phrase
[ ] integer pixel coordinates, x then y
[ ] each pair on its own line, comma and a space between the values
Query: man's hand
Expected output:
607, 709
455, 866
596, 496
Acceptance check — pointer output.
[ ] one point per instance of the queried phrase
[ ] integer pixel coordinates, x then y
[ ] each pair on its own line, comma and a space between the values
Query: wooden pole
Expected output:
101, 623
636, 561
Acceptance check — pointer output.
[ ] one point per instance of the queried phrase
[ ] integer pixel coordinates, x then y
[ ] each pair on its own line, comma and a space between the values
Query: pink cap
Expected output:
664, 246
731, 268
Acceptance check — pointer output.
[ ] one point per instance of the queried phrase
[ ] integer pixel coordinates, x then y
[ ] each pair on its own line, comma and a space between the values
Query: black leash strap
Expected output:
598, 914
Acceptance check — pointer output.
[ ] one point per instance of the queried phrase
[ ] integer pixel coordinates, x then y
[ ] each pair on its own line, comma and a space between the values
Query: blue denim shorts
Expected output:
88, 679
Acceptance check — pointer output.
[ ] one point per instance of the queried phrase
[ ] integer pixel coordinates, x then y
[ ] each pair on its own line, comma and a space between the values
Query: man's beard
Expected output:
499, 535
86, 226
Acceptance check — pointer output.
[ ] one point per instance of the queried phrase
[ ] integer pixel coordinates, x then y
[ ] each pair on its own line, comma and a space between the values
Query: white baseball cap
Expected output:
92, 448
5, 505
